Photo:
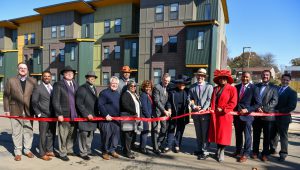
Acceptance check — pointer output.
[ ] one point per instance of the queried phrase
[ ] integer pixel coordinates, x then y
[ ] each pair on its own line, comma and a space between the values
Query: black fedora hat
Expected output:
182, 79
91, 74
67, 68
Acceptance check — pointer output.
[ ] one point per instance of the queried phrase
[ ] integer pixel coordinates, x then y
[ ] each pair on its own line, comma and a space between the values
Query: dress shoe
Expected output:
237, 154
197, 153
71, 154
254, 156
176, 149
105, 156
144, 151
166, 150
130, 156
29, 155
17, 157
51, 154
264, 158
157, 152
281, 159
115, 155
64, 158
85, 157
202, 157
243, 159
46, 158
273, 152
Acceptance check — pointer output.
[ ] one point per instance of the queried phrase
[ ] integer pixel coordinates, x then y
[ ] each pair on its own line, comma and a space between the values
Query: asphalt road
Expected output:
182, 160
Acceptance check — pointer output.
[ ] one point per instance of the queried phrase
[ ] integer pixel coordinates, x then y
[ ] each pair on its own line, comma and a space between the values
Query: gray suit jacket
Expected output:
41, 101
160, 100
203, 98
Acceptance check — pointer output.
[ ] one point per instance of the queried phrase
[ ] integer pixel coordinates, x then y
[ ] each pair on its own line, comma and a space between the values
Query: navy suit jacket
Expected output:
250, 100
287, 102
147, 107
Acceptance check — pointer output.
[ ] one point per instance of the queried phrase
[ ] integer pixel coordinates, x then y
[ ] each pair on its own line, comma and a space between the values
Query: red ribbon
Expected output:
141, 118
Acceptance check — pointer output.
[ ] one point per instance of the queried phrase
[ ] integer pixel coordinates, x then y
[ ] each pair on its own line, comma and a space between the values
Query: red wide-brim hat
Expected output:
222, 73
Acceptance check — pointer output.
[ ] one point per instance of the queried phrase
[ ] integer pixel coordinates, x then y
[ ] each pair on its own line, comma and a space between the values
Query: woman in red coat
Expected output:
224, 100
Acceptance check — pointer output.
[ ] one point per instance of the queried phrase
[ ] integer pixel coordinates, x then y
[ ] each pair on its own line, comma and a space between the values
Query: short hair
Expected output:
114, 78
287, 75
47, 71
246, 72
147, 83
21, 63
266, 71
166, 75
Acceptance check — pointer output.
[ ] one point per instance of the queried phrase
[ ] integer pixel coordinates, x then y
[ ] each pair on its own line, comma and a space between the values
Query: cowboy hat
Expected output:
125, 69
222, 73
67, 68
91, 74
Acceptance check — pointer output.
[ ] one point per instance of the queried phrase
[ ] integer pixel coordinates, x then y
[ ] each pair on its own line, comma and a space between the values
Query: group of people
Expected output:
66, 99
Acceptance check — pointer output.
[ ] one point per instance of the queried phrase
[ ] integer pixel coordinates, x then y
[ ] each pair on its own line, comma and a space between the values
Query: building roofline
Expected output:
129, 36
102, 3
78, 40
79, 6
201, 22
26, 19
225, 11
8, 24
7, 51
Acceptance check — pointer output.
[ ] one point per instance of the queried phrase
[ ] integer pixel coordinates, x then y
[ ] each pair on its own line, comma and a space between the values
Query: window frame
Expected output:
105, 81
159, 16
117, 54
107, 28
160, 44
173, 46
53, 57
1, 60
133, 50
118, 28
26, 40
174, 13
106, 54
32, 40
53, 32
173, 77
72, 57
157, 79
200, 40
62, 57
62, 30
87, 32
207, 11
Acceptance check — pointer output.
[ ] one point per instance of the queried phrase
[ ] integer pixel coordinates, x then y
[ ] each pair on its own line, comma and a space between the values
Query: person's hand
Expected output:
108, 118
90, 117
219, 109
197, 108
7, 113
260, 110
166, 113
243, 111
60, 118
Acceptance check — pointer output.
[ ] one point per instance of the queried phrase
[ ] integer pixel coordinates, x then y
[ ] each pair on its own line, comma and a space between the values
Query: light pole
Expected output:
249, 58
243, 57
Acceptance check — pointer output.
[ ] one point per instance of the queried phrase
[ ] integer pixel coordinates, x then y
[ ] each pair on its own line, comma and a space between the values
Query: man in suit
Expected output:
160, 98
287, 102
248, 101
16, 101
109, 107
200, 96
269, 96
41, 103
124, 79
64, 107
86, 103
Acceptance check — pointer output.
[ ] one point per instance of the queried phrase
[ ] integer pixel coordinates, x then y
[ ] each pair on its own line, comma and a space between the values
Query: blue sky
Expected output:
267, 26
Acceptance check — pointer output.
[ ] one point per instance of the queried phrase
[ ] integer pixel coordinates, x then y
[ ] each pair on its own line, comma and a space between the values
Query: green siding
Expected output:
85, 60
37, 68
201, 9
128, 59
193, 55
68, 61
9, 67
87, 20
213, 58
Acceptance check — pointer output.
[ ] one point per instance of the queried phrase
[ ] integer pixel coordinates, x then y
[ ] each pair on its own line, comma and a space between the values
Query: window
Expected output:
117, 74
106, 26
26, 39
133, 49
53, 77
53, 32
53, 54
172, 73
157, 75
174, 8
105, 78
159, 13
118, 23
200, 40
32, 38
38, 58
106, 52
87, 31
173, 44
1, 60
72, 53
25, 59
158, 44
62, 30
207, 15
61, 55
117, 52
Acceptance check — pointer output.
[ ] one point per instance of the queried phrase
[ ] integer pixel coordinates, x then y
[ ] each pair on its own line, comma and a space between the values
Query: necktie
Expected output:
199, 90
71, 85
242, 92
49, 89
165, 91
92, 87
280, 90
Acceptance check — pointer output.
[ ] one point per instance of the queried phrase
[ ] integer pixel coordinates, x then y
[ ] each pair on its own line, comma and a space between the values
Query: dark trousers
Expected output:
47, 137
144, 135
174, 139
280, 131
110, 135
201, 124
240, 128
158, 139
128, 138
265, 126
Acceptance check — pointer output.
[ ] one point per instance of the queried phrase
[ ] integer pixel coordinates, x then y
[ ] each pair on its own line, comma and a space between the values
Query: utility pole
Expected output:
243, 57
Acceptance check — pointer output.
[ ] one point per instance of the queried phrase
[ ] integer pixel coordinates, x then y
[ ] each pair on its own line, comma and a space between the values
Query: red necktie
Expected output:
242, 92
